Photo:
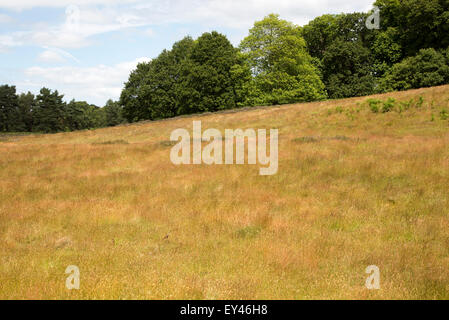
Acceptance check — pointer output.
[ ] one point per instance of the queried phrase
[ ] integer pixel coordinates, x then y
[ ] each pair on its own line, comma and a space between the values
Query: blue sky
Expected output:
86, 48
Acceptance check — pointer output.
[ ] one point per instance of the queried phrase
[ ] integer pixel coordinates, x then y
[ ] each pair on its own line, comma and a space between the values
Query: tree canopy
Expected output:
283, 71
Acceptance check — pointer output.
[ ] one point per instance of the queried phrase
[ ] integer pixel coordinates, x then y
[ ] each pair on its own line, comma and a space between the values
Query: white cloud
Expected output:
242, 14
88, 18
80, 24
28, 4
50, 56
95, 84
5, 18
8, 41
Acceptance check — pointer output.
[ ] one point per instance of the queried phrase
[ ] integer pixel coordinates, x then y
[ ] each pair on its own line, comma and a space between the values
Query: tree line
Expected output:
333, 56
48, 113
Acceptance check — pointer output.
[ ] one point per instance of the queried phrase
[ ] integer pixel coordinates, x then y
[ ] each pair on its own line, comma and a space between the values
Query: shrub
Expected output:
339, 109
428, 68
374, 105
420, 102
405, 105
388, 105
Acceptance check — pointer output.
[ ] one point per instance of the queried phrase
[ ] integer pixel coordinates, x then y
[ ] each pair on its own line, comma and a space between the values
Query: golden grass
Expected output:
353, 189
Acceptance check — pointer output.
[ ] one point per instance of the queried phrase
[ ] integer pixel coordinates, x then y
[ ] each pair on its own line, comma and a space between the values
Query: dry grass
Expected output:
353, 189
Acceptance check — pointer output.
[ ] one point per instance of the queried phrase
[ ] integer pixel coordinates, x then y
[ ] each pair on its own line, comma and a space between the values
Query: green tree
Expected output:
26, 108
156, 90
243, 82
135, 107
10, 118
97, 116
208, 75
80, 115
319, 34
420, 24
428, 68
323, 31
386, 50
351, 27
194, 76
347, 70
283, 70
50, 112
166, 89
113, 112
76, 116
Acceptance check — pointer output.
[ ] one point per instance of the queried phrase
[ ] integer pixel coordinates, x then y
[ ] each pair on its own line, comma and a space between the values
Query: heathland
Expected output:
361, 181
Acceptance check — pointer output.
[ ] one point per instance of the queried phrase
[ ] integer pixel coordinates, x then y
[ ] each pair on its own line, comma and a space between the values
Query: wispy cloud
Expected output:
56, 55
80, 24
97, 84
28, 4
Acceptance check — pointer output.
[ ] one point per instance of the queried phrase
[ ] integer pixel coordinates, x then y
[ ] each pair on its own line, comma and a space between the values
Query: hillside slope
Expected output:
354, 188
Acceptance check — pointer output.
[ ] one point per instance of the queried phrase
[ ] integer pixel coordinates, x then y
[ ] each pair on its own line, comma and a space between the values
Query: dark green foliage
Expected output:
347, 70
195, 76
80, 115
113, 114
322, 32
209, 79
319, 34
133, 99
428, 68
27, 105
420, 23
10, 116
163, 92
386, 51
49, 115
341, 44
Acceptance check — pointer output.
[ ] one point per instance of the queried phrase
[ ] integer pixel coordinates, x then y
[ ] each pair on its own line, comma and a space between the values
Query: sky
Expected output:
86, 49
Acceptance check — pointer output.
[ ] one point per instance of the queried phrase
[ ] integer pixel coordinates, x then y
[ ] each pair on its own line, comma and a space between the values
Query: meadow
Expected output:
361, 181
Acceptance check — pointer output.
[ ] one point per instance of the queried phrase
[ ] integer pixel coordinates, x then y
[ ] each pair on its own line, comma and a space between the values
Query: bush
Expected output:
428, 68
388, 105
339, 109
420, 102
374, 105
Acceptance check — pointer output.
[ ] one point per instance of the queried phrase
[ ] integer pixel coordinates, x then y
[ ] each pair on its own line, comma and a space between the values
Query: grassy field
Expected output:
354, 188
